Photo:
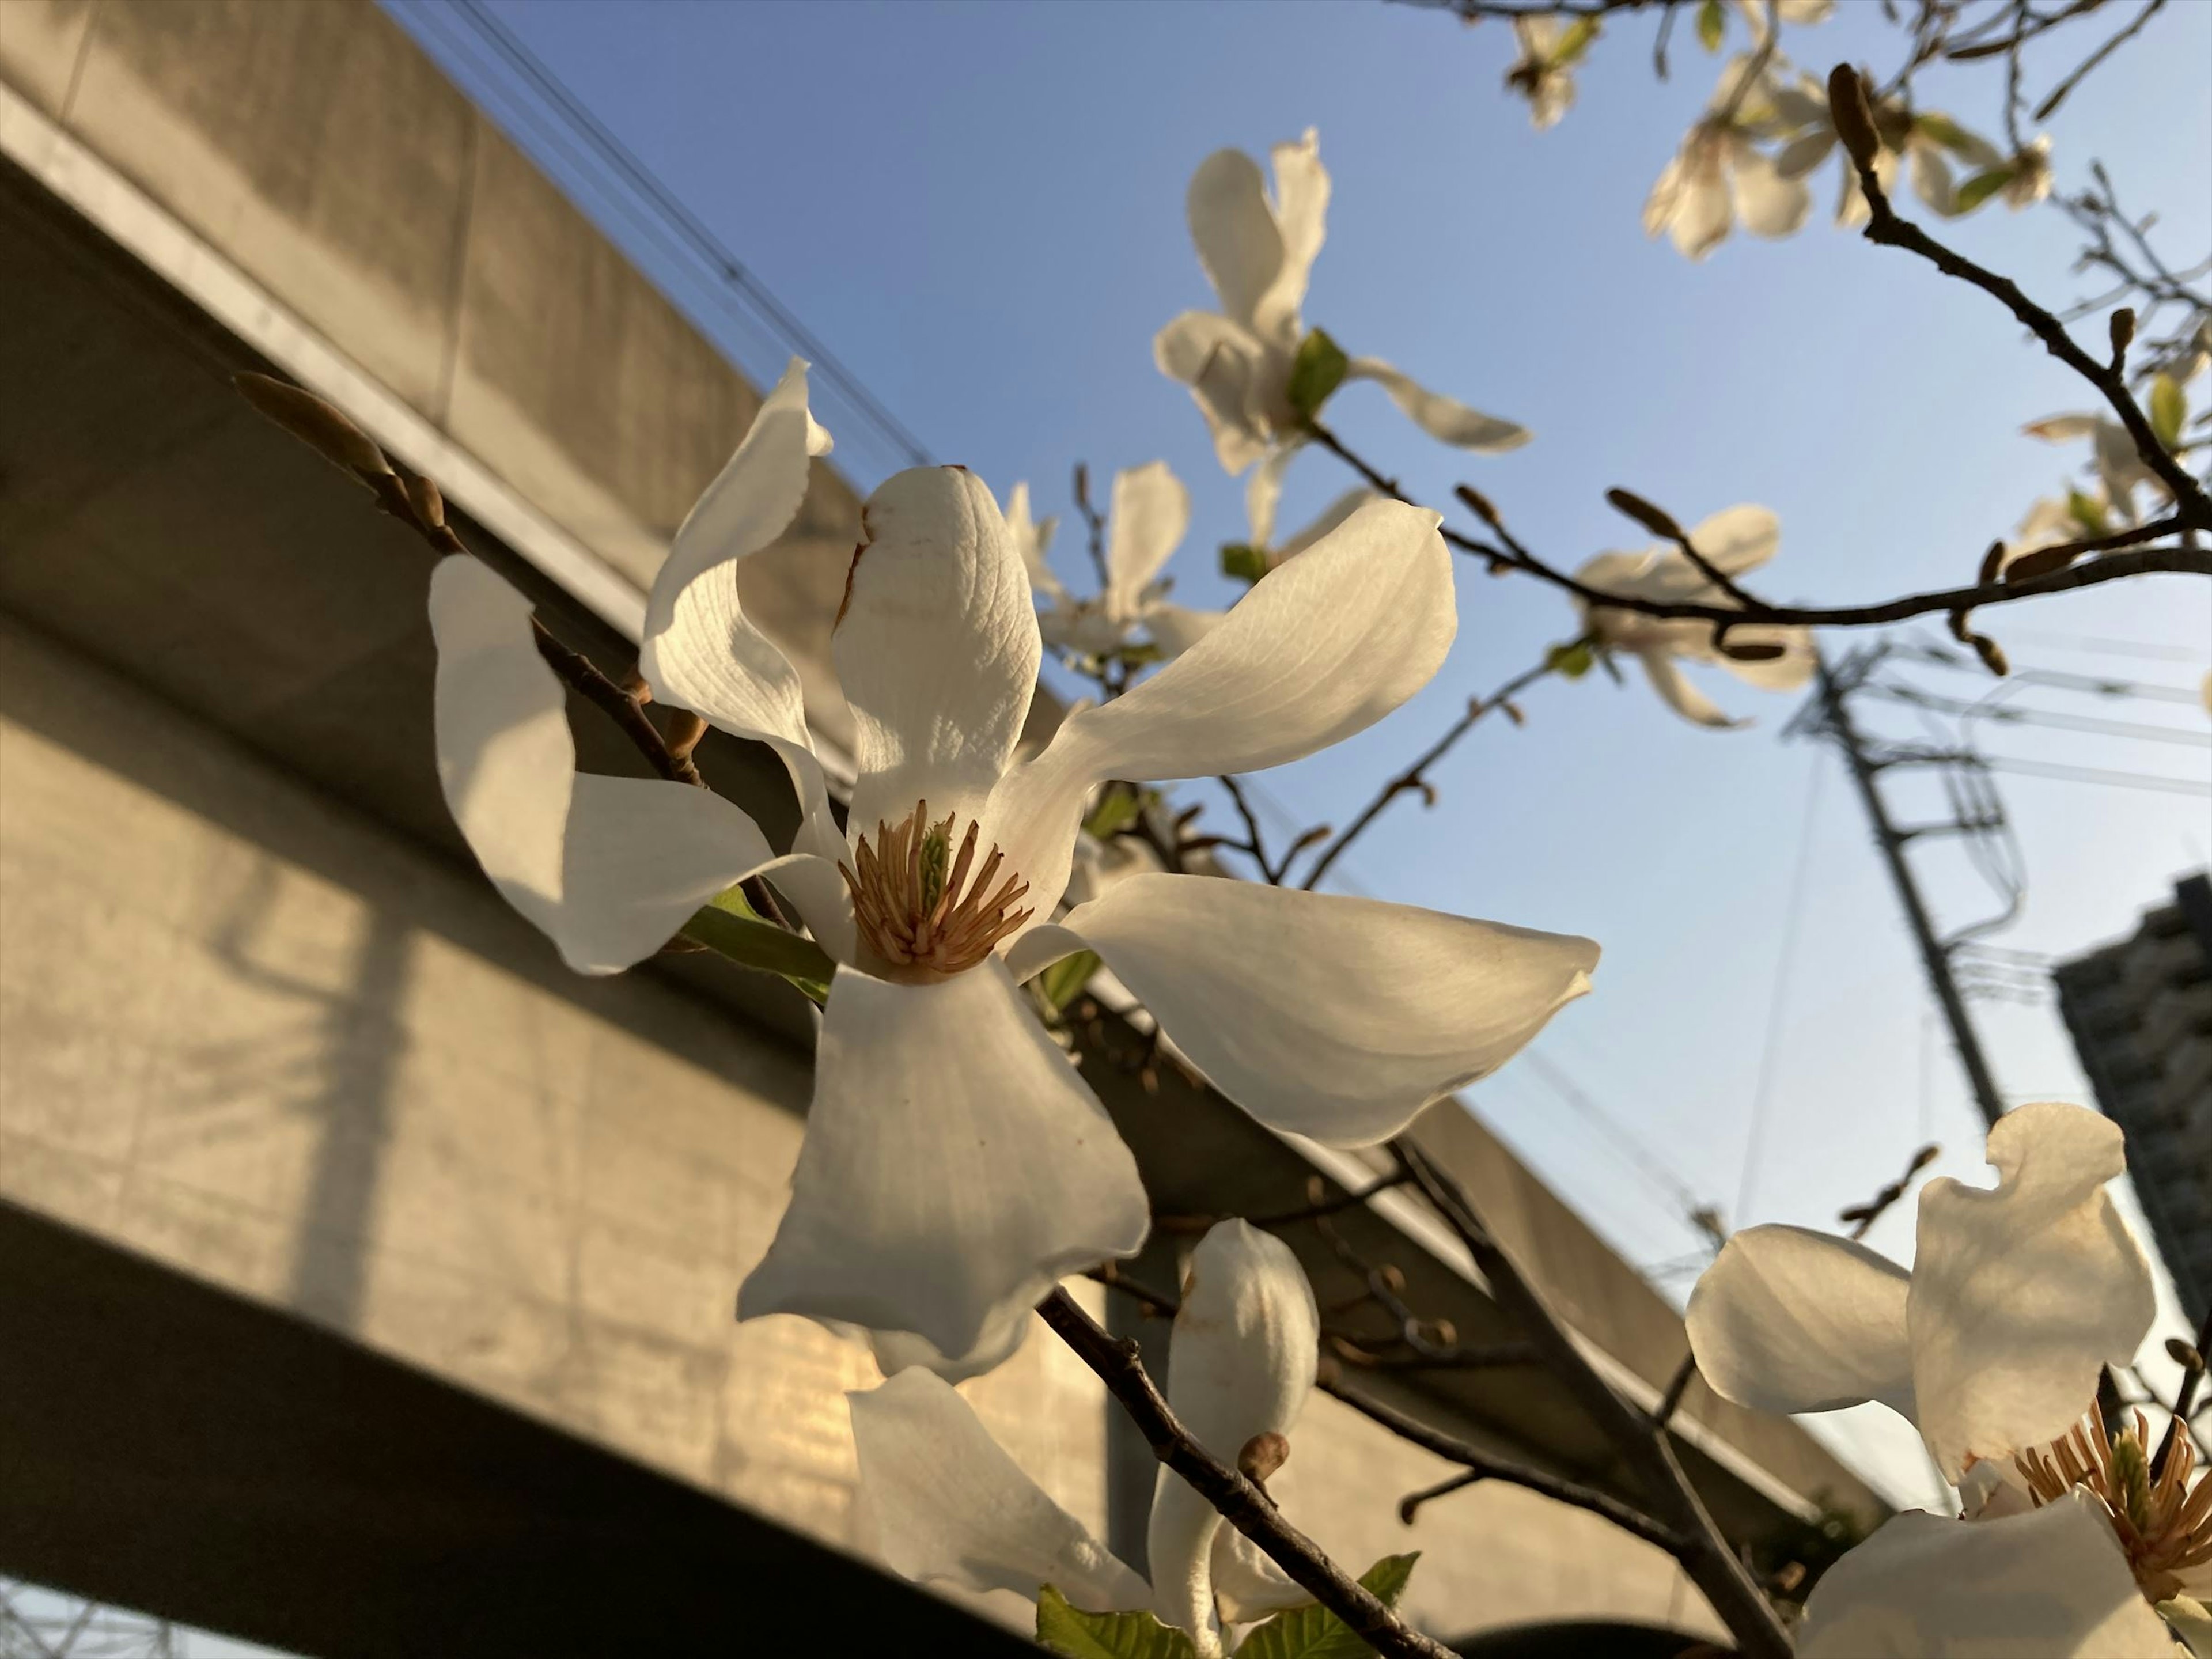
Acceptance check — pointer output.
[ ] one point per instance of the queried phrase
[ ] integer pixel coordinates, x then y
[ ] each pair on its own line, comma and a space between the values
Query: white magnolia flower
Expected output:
1720, 174
2119, 466
1258, 254
1150, 511
1735, 540
1926, 141
948, 1504
2027, 173
955, 1164
1991, 1345
1551, 46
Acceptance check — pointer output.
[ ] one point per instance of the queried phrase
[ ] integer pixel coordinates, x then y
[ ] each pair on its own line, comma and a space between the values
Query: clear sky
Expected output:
980, 208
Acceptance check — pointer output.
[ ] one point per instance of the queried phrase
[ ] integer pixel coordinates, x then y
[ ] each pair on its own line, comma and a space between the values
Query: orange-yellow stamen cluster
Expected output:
2163, 1523
916, 903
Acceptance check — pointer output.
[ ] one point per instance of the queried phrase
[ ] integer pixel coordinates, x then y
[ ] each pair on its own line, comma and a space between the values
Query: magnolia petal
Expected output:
1787, 1320
699, 651
1442, 418
1330, 517
1301, 220
1150, 512
1033, 540
937, 648
1263, 491
1240, 1363
1247, 1585
1220, 361
1238, 241
1737, 539
1931, 179
955, 1165
1326, 1015
1320, 648
1805, 152
1175, 629
1002, 1338
947, 1503
1769, 202
1674, 689
2052, 1584
2021, 1292
609, 868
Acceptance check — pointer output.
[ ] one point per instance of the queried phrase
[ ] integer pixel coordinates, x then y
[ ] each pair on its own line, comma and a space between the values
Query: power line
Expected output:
2111, 780
2052, 719
2097, 645
656, 208
1654, 1168
1785, 958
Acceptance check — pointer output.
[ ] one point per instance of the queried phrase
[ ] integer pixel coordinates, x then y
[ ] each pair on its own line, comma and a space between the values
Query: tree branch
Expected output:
1705, 1554
1241, 1502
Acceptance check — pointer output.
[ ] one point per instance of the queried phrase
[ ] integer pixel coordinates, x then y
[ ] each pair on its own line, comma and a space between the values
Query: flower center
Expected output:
917, 900
2164, 1525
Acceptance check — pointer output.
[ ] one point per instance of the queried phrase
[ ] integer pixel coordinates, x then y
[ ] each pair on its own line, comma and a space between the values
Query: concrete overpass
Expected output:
365, 1277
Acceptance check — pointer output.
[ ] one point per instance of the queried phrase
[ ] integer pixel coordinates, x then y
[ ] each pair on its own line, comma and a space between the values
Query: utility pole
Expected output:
1835, 720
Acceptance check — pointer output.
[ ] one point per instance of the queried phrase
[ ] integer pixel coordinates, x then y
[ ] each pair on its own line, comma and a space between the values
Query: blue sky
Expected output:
980, 208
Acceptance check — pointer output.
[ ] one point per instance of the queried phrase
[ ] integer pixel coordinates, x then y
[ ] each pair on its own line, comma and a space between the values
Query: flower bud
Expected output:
1754, 651
426, 498
2124, 330
318, 424
2184, 1355
1991, 653
1263, 1454
1653, 518
1477, 503
2044, 561
1853, 116
1992, 561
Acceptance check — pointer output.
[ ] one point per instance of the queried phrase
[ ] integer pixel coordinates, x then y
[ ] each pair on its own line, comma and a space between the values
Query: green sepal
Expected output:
1062, 983
1116, 811
1712, 25
1983, 185
2089, 513
2169, 409
1242, 562
1075, 1634
731, 927
1571, 661
1315, 372
1574, 43
1314, 1632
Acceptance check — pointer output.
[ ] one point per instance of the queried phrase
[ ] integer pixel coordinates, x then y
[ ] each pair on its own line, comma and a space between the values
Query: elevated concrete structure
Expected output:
261, 1021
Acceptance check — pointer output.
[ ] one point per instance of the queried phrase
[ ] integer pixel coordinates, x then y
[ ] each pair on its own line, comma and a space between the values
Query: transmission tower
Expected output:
41, 1623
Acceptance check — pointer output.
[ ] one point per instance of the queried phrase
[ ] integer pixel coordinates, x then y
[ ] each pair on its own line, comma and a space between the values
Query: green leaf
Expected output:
1242, 563
1949, 134
1317, 1633
2169, 409
1574, 43
1983, 185
1063, 981
1077, 1635
1571, 661
1712, 24
2089, 513
1317, 371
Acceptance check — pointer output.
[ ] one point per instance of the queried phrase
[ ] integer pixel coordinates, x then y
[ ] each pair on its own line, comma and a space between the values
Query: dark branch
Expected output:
1242, 1503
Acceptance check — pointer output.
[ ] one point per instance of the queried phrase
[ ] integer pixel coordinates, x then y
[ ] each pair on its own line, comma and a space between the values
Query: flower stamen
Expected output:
2163, 1523
917, 905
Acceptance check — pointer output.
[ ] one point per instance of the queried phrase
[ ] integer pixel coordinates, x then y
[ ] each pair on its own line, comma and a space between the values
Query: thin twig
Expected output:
1415, 777
2044, 110
1241, 1501
1677, 1386
1863, 1216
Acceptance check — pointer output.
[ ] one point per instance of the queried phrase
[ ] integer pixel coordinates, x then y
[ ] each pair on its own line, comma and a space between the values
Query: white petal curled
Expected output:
1238, 241
898, 1351
2019, 1292
1334, 1017
1151, 511
937, 648
608, 867
1768, 201
2052, 1584
1033, 541
1302, 219
954, 1166
1240, 1363
947, 1503
1232, 378
1675, 690
1442, 418
1734, 541
1787, 1320
698, 650
1321, 648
